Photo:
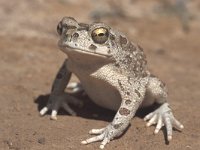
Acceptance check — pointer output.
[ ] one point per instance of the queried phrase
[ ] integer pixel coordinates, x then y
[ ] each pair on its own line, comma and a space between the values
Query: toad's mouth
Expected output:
69, 49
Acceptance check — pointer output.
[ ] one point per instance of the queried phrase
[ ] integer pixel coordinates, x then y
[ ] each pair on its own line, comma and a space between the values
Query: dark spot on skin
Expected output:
136, 74
144, 74
59, 76
141, 62
120, 84
123, 40
92, 47
124, 111
116, 65
162, 85
131, 47
116, 126
128, 93
128, 59
129, 78
134, 68
112, 43
109, 51
112, 37
139, 56
127, 102
137, 92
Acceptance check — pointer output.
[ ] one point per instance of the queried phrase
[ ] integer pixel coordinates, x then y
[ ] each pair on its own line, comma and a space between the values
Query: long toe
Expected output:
152, 120
104, 142
168, 126
177, 124
93, 139
43, 111
159, 125
149, 116
68, 109
97, 131
54, 115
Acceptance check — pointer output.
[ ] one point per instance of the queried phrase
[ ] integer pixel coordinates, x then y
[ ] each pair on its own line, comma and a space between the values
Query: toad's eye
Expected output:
59, 28
100, 35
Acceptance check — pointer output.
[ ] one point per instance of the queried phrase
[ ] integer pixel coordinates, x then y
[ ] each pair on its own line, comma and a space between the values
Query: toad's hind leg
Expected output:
163, 115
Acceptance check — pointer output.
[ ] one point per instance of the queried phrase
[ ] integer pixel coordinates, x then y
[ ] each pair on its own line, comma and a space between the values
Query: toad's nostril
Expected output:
75, 36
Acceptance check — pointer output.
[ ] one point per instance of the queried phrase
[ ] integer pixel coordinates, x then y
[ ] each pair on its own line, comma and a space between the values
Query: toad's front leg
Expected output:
132, 96
58, 98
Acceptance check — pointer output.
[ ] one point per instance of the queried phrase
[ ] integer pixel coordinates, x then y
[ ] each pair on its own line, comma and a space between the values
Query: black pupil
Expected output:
101, 34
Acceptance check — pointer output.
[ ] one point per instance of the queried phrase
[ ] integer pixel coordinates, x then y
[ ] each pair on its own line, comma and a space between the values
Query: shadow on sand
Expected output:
90, 110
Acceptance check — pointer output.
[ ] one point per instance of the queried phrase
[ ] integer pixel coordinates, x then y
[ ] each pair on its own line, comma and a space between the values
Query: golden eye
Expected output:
100, 35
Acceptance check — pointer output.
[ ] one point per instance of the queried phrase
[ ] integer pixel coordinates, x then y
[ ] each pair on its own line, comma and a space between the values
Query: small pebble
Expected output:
160, 51
41, 141
9, 143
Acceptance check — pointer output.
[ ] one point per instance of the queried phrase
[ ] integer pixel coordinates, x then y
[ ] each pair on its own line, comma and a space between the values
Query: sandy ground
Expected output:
30, 58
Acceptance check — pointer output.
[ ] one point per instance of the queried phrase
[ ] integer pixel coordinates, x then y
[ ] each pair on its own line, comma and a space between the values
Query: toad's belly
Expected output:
101, 92
99, 82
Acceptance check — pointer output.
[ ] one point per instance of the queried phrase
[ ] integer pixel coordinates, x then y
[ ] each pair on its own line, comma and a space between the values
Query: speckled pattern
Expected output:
113, 72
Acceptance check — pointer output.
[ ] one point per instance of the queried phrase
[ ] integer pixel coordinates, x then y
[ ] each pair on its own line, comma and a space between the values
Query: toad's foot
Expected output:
57, 101
163, 116
75, 87
104, 134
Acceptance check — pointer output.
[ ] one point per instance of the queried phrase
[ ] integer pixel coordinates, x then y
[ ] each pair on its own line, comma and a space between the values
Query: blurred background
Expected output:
169, 32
